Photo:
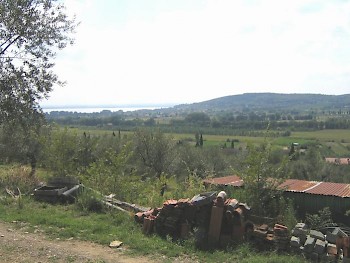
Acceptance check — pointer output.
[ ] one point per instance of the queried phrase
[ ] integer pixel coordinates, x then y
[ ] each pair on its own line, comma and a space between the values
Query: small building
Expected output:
312, 196
308, 196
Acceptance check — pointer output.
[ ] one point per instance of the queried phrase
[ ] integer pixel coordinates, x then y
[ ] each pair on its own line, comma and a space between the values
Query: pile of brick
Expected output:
317, 246
281, 237
217, 219
275, 237
262, 237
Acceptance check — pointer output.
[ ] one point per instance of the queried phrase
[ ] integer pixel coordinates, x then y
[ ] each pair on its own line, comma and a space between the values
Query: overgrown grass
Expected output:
66, 221
76, 220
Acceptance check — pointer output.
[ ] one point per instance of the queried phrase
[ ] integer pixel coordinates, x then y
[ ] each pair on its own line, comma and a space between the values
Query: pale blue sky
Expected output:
185, 51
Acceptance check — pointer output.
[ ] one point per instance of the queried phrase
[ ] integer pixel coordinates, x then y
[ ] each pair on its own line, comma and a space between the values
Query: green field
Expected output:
337, 141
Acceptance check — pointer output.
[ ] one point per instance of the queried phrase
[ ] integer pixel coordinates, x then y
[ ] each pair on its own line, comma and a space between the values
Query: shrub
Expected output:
18, 177
90, 201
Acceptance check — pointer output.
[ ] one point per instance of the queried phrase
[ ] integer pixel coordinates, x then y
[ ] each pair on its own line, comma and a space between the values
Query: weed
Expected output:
89, 201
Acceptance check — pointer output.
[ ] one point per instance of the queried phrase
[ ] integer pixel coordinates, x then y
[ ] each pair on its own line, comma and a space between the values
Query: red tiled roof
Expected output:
232, 180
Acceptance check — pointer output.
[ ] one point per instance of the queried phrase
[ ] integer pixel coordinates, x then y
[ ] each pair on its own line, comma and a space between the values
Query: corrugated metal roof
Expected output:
232, 180
318, 188
293, 185
343, 161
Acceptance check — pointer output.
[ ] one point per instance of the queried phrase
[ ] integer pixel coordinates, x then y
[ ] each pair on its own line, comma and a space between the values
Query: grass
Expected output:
323, 135
340, 136
65, 221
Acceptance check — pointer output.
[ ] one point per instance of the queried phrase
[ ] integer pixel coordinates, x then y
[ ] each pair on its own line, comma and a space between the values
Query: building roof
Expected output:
342, 161
317, 188
232, 180
293, 185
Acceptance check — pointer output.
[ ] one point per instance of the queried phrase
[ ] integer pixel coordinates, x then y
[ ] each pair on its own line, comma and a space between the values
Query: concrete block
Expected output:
314, 256
294, 241
317, 234
301, 226
298, 232
309, 244
320, 247
332, 249
331, 238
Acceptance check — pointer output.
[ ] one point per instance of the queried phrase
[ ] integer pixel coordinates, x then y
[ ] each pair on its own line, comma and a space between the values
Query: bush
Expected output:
13, 177
322, 218
89, 201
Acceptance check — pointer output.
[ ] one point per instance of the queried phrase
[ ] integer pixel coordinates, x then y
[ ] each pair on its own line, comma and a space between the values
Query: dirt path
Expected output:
19, 246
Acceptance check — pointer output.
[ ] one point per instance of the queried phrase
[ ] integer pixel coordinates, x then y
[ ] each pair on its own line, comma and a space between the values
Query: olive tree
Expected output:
262, 180
31, 32
154, 151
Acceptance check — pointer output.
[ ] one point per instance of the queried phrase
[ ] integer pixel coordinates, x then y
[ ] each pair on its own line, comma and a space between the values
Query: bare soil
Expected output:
17, 245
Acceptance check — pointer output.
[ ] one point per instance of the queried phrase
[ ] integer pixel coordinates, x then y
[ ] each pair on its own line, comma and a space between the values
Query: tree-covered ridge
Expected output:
271, 101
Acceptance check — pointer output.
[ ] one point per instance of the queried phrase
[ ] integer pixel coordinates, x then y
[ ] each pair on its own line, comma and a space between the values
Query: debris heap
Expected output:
214, 219
318, 246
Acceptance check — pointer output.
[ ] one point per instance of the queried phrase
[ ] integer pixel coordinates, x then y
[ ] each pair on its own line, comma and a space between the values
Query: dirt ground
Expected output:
18, 246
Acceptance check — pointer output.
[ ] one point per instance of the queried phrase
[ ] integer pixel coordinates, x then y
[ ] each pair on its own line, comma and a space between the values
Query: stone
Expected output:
115, 244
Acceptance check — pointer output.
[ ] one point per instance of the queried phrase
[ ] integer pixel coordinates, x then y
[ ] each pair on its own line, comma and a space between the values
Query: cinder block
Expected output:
301, 226
332, 249
331, 238
314, 256
298, 232
320, 247
294, 241
309, 244
317, 234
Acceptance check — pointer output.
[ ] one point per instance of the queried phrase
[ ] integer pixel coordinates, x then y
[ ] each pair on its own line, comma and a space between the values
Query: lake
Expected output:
101, 108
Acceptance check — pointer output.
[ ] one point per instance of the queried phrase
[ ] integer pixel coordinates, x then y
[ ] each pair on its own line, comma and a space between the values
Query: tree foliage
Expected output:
154, 150
261, 180
31, 31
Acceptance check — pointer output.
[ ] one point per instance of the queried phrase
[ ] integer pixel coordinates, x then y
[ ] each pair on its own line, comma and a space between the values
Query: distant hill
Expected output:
270, 101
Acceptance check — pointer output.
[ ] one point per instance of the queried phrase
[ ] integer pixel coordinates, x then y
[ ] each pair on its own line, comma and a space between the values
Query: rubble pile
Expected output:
320, 247
281, 237
266, 237
214, 219
217, 221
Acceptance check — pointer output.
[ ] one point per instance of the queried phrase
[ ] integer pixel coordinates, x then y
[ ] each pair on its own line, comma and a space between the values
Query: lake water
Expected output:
99, 109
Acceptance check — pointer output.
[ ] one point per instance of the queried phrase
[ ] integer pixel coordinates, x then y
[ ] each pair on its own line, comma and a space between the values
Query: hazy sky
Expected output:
184, 51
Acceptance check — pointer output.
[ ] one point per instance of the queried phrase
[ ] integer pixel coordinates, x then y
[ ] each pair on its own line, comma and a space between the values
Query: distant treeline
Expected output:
245, 124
